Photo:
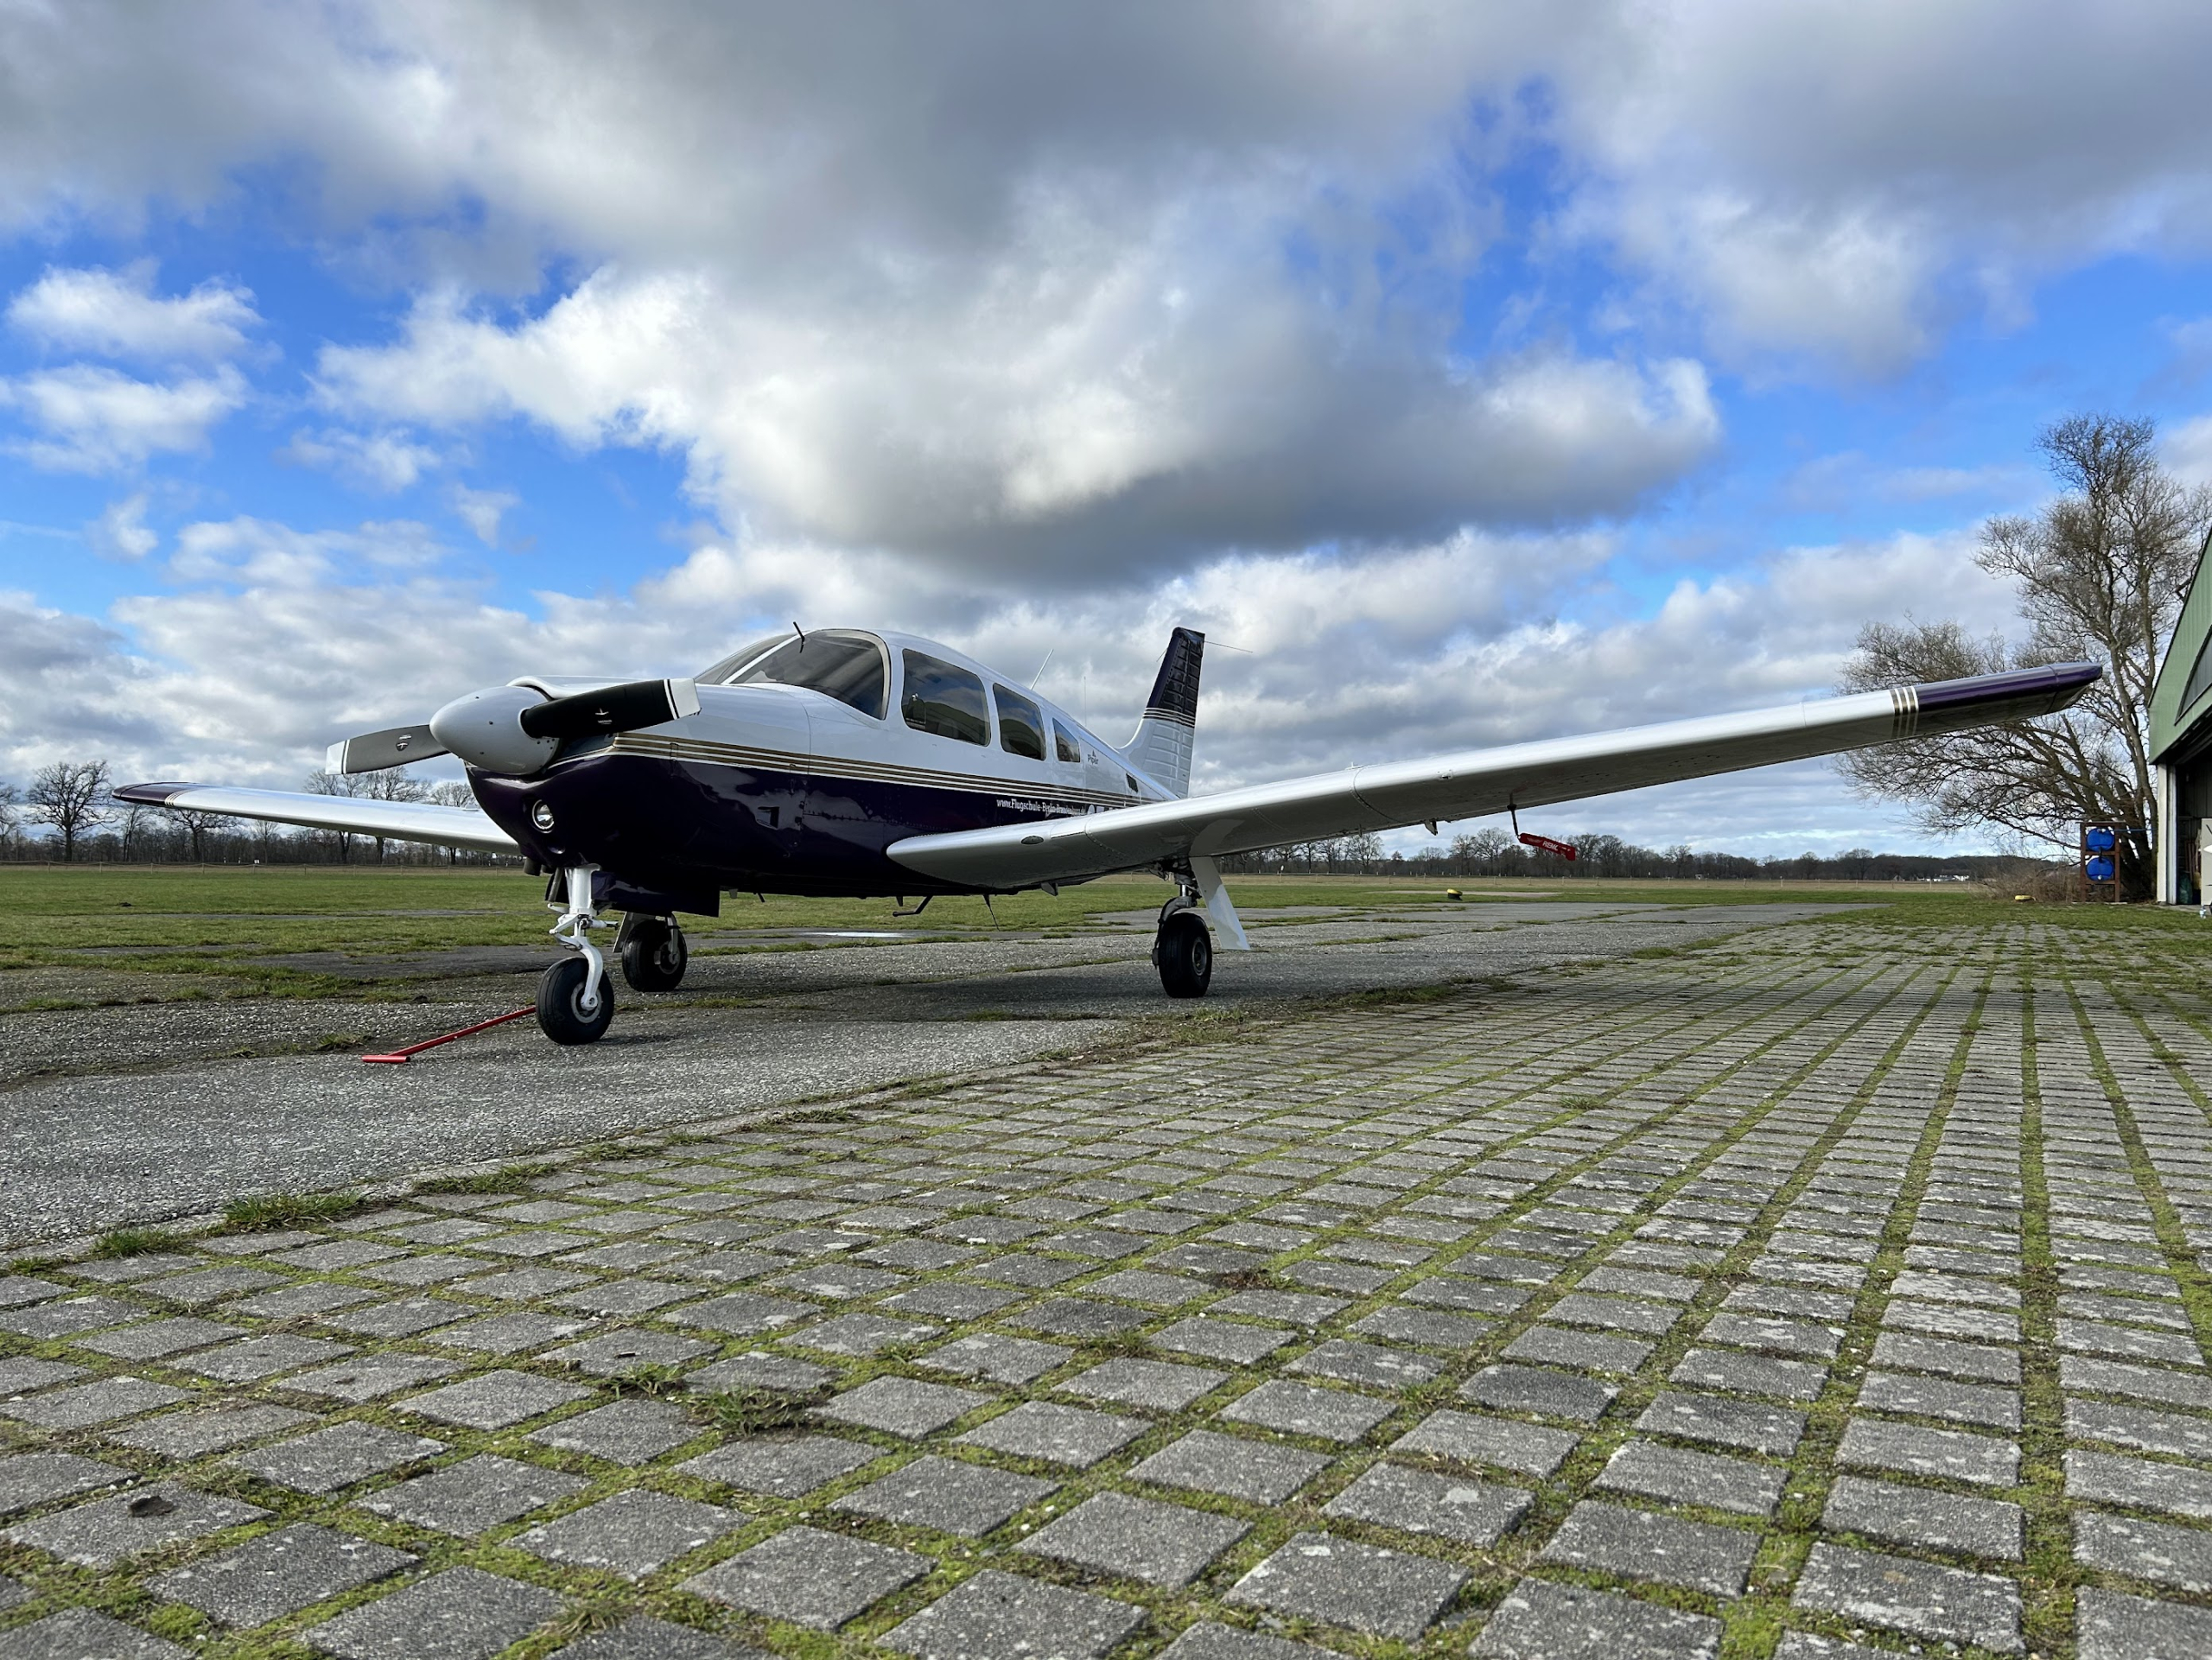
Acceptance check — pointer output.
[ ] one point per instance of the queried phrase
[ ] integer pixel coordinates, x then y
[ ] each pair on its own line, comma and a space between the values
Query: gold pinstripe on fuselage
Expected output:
706, 751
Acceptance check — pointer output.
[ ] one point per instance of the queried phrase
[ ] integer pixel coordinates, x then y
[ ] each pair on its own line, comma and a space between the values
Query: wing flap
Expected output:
1473, 784
400, 821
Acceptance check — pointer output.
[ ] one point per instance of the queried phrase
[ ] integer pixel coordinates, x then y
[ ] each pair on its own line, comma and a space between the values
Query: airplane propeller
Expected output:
515, 730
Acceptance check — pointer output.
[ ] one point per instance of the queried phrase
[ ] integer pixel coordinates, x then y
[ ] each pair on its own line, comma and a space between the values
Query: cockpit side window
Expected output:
1065, 746
944, 699
847, 667
1022, 724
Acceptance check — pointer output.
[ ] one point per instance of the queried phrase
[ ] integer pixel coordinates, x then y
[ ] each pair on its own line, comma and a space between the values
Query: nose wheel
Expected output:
654, 954
562, 1013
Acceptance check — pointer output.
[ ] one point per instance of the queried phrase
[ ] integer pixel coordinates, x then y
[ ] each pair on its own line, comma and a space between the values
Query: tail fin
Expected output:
1162, 746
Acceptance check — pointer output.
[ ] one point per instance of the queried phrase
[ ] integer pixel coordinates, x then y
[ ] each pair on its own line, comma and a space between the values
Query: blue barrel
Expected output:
2099, 869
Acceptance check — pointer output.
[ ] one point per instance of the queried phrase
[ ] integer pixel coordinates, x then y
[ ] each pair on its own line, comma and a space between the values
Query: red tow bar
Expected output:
398, 1057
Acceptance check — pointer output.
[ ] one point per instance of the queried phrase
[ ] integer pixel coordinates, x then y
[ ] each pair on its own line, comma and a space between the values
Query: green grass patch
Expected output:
288, 1211
508, 1179
652, 1379
135, 1241
752, 1412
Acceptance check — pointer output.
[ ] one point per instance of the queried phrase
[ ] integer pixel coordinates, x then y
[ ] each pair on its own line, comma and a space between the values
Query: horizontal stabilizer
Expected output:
398, 821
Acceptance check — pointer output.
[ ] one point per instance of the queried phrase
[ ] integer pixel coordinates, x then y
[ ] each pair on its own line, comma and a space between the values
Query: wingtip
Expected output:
152, 795
2061, 682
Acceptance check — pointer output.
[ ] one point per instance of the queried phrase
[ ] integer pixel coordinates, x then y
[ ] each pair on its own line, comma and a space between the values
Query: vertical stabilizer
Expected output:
1161, 749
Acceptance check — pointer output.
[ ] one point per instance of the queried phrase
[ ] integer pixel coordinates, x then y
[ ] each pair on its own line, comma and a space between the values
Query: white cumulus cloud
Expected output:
482, 510
117, 314
88, 418
121, 531
383, 461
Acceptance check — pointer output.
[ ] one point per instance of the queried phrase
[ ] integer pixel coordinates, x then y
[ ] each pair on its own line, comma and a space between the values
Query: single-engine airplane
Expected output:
837, 762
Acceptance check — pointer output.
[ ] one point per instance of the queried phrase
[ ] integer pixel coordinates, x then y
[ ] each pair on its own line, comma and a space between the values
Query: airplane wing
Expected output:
399, 821
1478, 782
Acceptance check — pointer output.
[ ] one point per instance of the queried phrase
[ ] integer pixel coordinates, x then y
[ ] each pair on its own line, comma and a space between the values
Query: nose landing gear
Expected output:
574, 1002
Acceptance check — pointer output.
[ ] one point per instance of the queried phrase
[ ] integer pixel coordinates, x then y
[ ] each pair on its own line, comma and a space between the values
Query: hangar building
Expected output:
2181, 749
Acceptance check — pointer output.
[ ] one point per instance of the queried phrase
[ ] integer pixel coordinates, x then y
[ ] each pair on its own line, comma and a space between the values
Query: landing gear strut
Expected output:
574, 1002
653, 952
1183, 950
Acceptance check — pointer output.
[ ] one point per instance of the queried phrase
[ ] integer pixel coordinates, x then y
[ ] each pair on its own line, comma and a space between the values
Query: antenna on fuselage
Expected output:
1041, 667
800, 632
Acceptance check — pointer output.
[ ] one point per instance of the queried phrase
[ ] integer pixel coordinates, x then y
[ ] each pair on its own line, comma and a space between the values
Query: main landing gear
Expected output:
654, 955
1183, 950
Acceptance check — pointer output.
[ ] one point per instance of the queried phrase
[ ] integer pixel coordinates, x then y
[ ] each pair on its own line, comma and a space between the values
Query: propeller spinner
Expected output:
515, 731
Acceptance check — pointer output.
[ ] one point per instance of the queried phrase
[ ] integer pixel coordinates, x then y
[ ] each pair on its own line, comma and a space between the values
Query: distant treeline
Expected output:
1492, 852
148, 836
71, 803
68, 812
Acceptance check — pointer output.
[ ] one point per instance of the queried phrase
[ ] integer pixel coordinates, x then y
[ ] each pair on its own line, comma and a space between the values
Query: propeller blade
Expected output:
374, 751
612, 709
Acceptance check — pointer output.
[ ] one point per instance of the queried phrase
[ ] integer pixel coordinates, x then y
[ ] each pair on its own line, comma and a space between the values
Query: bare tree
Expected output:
69, 797
135, 819
10, 818
197, 825
2100, 573
345, 783
454, 792
392, 784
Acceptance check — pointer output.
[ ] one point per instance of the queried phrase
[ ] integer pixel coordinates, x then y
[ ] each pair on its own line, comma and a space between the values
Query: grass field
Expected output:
227, 921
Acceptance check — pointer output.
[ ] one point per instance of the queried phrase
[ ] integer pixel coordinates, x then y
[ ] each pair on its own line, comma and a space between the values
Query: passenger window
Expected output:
1064, 744
847, 667
944, 699
1022, 724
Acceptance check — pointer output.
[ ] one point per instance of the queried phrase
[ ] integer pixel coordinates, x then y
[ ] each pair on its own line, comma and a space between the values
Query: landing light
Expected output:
542, 816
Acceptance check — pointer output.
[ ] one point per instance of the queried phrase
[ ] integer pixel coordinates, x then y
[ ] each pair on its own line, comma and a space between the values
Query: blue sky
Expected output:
1487, 373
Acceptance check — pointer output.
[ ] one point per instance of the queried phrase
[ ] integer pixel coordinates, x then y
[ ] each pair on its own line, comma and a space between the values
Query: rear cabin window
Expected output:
847, 667
944, 699
1064, 744
1022, 724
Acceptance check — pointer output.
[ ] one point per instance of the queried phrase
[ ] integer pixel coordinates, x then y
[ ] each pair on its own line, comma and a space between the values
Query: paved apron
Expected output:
1828, 1291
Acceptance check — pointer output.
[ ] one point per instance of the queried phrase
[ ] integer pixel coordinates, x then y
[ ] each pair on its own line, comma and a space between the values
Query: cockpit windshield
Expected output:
849, 667
720, 674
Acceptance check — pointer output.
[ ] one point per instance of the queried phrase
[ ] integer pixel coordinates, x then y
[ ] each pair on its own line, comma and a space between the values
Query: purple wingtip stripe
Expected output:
152, 795
2060, 681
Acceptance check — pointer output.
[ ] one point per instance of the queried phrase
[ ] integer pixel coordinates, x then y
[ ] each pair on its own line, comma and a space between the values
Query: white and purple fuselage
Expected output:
809, 755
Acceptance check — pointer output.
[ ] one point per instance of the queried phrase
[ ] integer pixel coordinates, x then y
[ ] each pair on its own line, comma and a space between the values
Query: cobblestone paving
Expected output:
1831, 1291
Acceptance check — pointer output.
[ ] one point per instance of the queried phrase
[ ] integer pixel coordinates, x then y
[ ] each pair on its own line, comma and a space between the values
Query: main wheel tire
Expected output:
1185, 954
561, 1014
655, 954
